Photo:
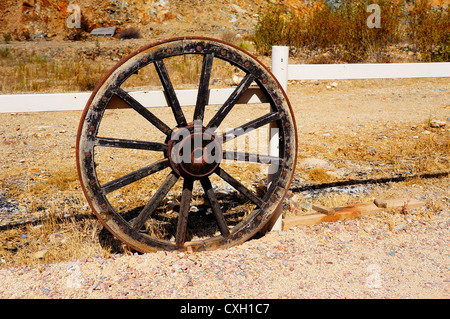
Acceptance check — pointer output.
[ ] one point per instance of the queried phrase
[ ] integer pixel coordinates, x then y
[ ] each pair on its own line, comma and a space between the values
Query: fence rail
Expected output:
283, 71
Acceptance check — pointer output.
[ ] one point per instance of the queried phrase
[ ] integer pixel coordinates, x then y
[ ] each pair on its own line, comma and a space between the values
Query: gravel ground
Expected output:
365, 258
384, 256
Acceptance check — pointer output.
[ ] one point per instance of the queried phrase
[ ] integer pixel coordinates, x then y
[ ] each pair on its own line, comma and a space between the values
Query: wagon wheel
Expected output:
193, 153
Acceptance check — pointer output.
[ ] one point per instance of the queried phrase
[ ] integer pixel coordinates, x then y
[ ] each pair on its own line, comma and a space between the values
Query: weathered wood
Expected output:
380, 202
184, 211
139, 232
107, 31
172, 98
231, 101
323, 209
350, 212
203, 87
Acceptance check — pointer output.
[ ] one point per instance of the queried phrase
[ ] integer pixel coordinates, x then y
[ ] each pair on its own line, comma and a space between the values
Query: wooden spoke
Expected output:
132, 144
250, 157
230, 102
149, 116
215, 207
135, 176
154, 202
252, 125
239, 187
170, 93
203, 88
184, 211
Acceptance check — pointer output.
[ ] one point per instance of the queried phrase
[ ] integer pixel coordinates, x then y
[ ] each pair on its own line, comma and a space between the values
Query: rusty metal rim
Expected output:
235, 236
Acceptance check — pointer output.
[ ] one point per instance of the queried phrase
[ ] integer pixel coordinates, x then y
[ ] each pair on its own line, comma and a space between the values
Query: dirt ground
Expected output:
347, 130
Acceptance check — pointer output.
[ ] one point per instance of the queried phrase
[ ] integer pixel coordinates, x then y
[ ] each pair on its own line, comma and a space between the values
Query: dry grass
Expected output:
66, 231
20, 72
342, 29
23, 70
416, 152
319, 174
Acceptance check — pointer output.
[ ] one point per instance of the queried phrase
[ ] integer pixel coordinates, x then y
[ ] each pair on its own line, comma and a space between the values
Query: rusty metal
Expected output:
132, 232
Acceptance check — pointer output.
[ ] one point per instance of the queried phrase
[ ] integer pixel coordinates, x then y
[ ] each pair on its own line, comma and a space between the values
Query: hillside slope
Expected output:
152, 18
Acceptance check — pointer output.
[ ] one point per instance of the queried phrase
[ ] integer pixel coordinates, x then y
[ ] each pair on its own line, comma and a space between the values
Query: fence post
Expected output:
280, 57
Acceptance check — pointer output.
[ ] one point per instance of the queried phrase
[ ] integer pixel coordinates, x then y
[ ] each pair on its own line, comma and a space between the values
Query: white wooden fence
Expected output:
14, 103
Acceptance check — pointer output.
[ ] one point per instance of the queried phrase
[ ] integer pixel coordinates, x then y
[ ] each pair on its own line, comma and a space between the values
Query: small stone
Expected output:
437, 124
40, 254
380, 202
323, 210
306, 206
400, 227
193, 209
334, 84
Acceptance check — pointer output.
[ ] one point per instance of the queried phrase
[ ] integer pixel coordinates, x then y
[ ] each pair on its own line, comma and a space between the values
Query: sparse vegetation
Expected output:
7, 37
429, 30
342, 29
130, 33
39, 73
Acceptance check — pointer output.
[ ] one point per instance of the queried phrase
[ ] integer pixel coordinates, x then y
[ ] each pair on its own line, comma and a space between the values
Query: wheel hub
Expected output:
194, 151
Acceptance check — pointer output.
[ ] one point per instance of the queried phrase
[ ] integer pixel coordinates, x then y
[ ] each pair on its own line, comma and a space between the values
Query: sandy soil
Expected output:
385, 256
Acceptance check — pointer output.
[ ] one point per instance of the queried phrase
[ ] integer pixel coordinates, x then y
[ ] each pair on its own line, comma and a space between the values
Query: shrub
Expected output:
273, 28
130, 33
5, 52
7, 37
341, 26
429, 30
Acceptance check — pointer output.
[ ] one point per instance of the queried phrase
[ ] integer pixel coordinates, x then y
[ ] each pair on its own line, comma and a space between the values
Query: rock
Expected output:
237, 79
41, 253
400, 227
56, 237
193, 209
334, 84
306, 206
437, 124
313, 162
323, 210
380, 202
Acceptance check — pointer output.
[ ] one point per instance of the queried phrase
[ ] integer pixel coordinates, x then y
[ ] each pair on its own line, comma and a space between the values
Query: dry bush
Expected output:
130, 33
343, 27
33, 72
319, 174
429, 30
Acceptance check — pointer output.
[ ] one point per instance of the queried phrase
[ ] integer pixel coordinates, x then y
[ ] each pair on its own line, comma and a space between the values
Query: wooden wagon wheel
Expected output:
193, 152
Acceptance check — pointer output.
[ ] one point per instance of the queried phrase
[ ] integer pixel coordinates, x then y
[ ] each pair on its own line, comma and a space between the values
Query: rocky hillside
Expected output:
23, 19
153, 18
